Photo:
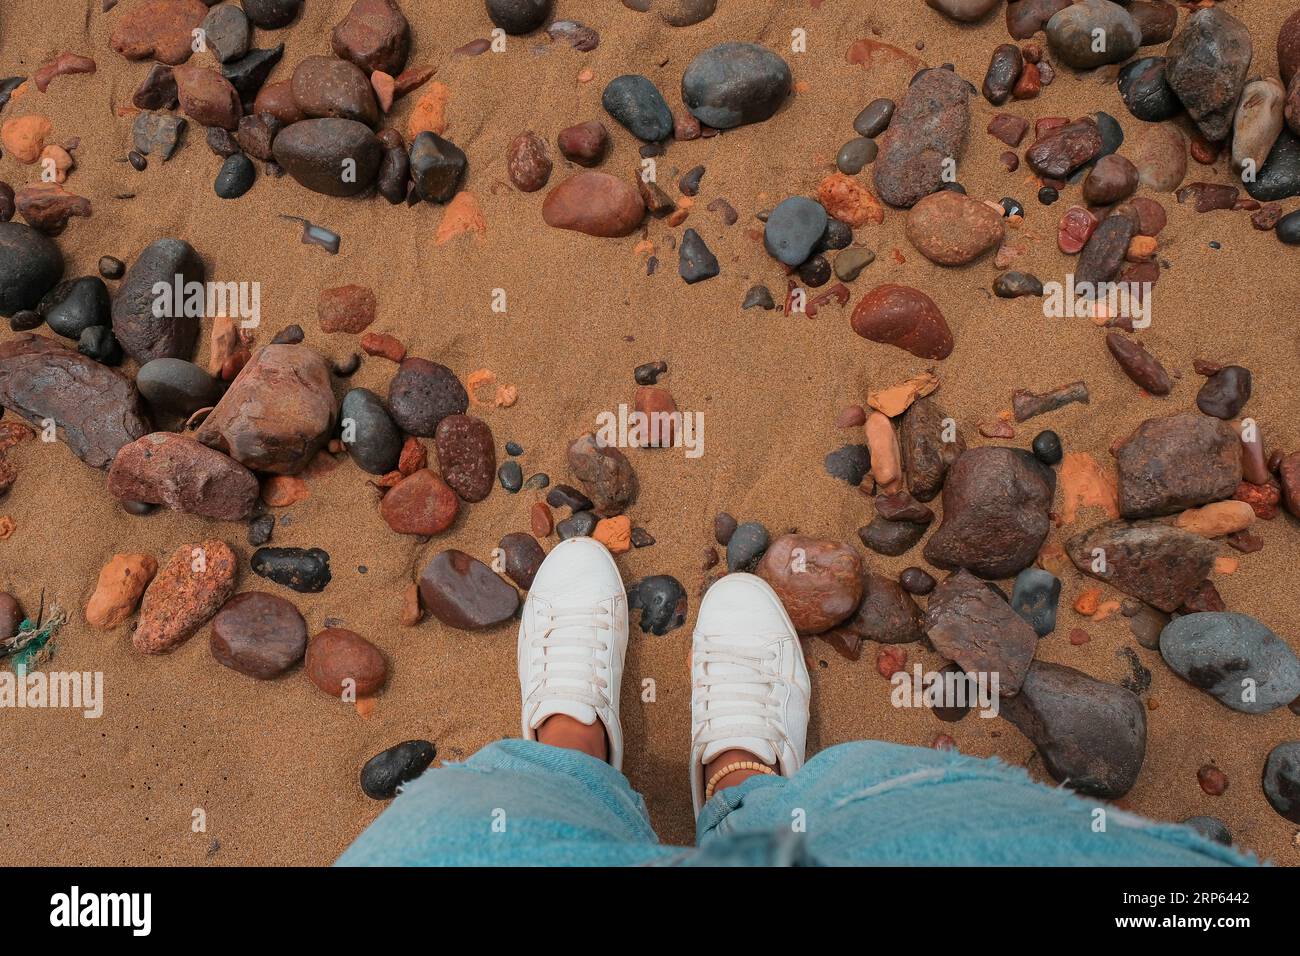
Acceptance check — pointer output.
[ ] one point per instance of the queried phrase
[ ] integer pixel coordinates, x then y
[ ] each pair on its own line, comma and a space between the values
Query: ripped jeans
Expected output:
868, 803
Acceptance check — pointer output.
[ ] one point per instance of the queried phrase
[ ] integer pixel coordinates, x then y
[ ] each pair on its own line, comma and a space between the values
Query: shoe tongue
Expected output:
583, 713
762, 749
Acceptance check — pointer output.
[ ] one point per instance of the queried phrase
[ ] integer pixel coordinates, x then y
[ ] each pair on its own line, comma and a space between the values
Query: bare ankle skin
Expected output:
736, 776
561, 730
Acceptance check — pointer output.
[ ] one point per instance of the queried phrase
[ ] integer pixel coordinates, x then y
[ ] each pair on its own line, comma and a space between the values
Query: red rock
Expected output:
906, 317
1263, 498
658, 405
585, 143
605, 474
1212, 780
596, 204
326, 87
819, 582
847, 200
281, 491
161, 29
972, 626
277, 414
381, 344
928, 131
385, 88
186, 476
277, 99
1075, 229
64, 64
1007, 128
207, 97
1029, 83
1177, 462
467, 456
414, 456
374, 35
346, 308
465, 593
258, 634
121, 583
420, 504
48, 206
1289, 472
527, 162
23, 137
890, 660
1154, 562
540, 520
341, 662
951, 229
189, 588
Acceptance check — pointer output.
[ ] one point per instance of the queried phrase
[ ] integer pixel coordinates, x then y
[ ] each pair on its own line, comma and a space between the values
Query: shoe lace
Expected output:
747, 694
563, 655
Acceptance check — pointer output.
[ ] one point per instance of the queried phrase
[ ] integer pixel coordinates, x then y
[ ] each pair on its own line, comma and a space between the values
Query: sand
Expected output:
274, 765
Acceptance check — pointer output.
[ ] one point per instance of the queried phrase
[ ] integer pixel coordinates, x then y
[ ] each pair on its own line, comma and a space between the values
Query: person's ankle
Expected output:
561, 730
727, 758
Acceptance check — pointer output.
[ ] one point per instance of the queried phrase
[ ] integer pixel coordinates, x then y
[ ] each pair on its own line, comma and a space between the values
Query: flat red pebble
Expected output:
1076, 227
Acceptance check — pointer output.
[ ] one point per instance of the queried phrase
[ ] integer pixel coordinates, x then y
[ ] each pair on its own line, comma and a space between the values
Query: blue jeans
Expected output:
519, 803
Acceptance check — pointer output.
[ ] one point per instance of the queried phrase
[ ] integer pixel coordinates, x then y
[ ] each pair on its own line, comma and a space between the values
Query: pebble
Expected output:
226, 32
157, 134
1111, 179
1145, 91
904, 317
467, 456
370, 436
916, 580
1279, 177
1256, 124
117, 593
746, 546
259, 530
191, 586
974, 627
1064, 149
301, 569
1212, 828
111, 268
537, 482
648, 374
420, 504
523, 557
422, 394
175, 387
235, 177
313, 152
1288, 47
793, 229
1225, 393
374, 35
566, 496
695, 261
511, 476
580, 524
605, 474
849, 264
1217, 519
277, 100
891, 538
1160, 154
638, 105
1282, 779
249, 72
950, 229
1288, 229
1206, 68
518, 17
1004, 70
158, 28
578, 35
72, 307
1177, 462
874, 118
685, 13
996, 504
1091, 735
850, 464
463, 592
258, 634
207, 97
1013, 285
596, 204
394, 175
585, 143
436, 167
1103, 254
1154, 562
928, 447
256, 135
386, 771
1071, 32
759, 297
733, 84
724, 526
661, 599
339, 662
886, 614
929, 129
855, 154
1035, 598
1234, 658
527, 162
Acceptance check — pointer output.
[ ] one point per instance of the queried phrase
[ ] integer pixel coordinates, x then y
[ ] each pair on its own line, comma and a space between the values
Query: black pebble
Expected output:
511, 476
746, 546
72, 307
849, 464
871, 122
137, 160
695, 261
1288, 228
538, 481
648, 374
1047, 195
661, 600
289, 335
1011, 207
259, 530
837, 236
514, 448
304, 570
111, 268
916, 580
689, 184
25, 321
954, 188
566, 496
641, 538
399, 764
1047, 447
815, 272
236, 177
580, 524
99, 343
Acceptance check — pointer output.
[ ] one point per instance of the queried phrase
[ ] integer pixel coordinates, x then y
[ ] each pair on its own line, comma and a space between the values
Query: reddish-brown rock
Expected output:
1177, 462
930, 442
604, 473
585, 143
374, 35
927, 134
906, 317
467, 455
951, 229
973, 626
161, 29
1289, 472
258, 634
175, 470
887, 613
465, 593
277, 99
421, 504
819, 582
189, 588
207, 97
343, 663
597, 204
1154, 562
527, 162
346, 308
117, 593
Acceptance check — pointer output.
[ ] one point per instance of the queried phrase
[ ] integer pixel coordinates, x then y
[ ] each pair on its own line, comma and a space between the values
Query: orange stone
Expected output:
614, 533
121, 585
280, 491
430, 113
23, 137
849, 201
462, 216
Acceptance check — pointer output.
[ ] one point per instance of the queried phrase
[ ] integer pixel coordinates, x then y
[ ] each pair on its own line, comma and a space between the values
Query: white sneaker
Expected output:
573, 639
749, 683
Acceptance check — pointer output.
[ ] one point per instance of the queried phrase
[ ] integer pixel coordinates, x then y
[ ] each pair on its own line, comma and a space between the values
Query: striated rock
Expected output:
467, 455
927, 133
819, 582
971, 625
258, 634
278, 413
343, 663
314, 151
420, 504
1177, 462
1234, 658
118, 591
465, 593
97, 409
1091, 735
422, 394
951, 229
151, 326
1206, 67
995, 512
189, 588
374, 35
1146, 92
906, 317
1154, 562
604, 473
594, 203
176, 471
